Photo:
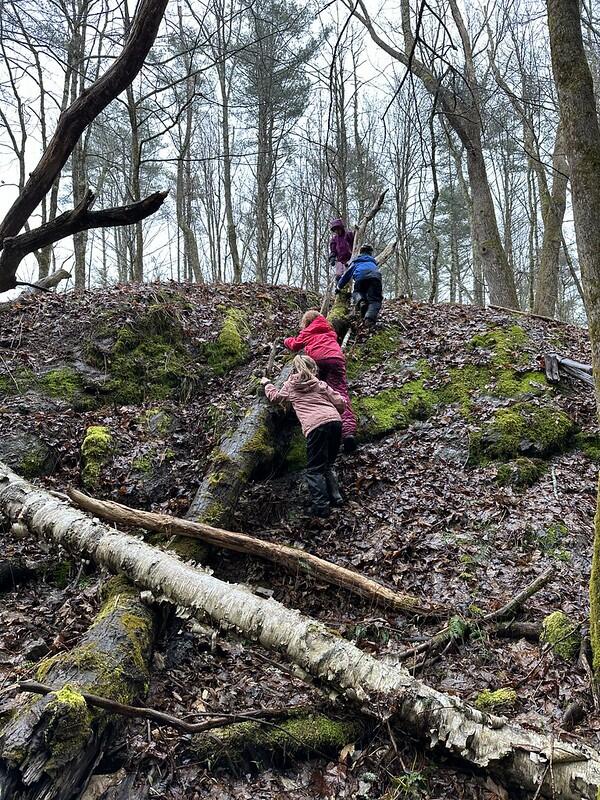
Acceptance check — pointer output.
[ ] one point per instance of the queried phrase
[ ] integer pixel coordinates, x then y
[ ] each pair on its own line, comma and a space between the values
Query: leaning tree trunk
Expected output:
547, 765
582, 147
50, 745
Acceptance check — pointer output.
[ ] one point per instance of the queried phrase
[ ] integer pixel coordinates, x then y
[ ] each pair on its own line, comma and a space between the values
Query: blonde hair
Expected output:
305, 366
308, 317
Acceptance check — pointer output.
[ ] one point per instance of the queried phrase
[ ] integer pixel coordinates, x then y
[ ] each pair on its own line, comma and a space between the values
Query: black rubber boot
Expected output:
317, 487
335, 496
349, 444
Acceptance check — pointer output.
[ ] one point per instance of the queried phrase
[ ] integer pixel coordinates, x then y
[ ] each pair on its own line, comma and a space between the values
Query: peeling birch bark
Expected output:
518, 756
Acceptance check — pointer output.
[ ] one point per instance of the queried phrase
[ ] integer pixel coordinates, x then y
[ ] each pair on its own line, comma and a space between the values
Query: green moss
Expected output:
230, 348
17, 382
295, 458
59, 574
143, 463
589, 444
523, 429
156, 421
393, 409
148, 360
68, 728
499, 700
63, 382
35, 461
522, 472
375, 351
95, 450
261, 443
562, 635
465, 383
251, 742
507, 345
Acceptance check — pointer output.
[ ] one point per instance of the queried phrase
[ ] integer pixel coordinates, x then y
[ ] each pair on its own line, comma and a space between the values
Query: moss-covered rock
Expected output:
563, 635
95, 451
68, 725
156, 421
230, 348
146, 358
498, 700
27, 454
505, 344
375, 352
589, 444
523, 429
522, 472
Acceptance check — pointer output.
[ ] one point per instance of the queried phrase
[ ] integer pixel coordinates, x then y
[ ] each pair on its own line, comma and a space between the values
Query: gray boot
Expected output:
333, 490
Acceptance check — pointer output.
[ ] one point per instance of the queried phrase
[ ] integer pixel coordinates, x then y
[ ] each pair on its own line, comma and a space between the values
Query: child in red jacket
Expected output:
318, 408
320, 342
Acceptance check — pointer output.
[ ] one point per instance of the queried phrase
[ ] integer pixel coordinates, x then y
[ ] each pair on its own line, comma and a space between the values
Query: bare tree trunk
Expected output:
546, 285
582, 147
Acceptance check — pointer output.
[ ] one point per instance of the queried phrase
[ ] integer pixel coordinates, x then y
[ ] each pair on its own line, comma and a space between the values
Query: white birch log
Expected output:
551, 766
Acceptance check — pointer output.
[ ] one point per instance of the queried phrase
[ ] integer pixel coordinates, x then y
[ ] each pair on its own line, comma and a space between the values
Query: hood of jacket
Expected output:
337, 223
319, 325
364, 258
303, 384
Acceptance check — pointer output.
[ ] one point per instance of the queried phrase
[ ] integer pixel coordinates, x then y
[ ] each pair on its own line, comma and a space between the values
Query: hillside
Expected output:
474, 475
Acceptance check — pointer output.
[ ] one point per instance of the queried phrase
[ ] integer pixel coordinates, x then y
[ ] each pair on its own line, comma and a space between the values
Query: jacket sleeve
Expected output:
332, 251
276, 395
295, 343
346, 277
336, 399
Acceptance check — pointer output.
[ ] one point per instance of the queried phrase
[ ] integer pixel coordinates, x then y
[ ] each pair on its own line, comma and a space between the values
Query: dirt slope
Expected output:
473, 476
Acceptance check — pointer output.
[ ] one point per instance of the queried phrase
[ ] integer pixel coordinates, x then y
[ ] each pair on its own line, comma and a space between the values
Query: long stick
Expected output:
289, 557
218, 719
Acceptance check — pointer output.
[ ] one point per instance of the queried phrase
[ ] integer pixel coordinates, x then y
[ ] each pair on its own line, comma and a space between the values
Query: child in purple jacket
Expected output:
340, 246
318, 409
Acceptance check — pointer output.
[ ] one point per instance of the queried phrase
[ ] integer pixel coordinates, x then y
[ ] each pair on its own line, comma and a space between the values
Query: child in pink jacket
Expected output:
320, 342
318, 409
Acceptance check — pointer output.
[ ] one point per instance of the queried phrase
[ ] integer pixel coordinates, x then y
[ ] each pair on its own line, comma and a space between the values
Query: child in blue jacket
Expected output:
367, 293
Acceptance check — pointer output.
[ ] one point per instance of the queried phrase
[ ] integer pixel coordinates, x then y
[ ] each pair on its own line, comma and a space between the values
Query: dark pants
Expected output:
333, 372
322, 446
369, 294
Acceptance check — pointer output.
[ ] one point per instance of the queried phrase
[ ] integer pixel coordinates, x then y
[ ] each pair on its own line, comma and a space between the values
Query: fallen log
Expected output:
548, 765
247, 746
50, 746
291, 558
236, 460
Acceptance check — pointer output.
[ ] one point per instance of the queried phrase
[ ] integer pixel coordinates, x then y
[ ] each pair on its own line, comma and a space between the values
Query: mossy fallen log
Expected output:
251, 446
529, 759
254, 745
50, 745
